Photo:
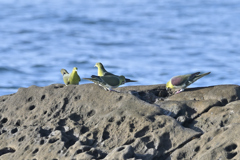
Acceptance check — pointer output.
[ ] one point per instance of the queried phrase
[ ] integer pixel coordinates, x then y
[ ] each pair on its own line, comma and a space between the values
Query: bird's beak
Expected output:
95, 66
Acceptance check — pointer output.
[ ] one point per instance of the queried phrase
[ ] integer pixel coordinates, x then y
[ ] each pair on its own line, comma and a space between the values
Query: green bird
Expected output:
108, 82
102, 72
72, 78
183, 81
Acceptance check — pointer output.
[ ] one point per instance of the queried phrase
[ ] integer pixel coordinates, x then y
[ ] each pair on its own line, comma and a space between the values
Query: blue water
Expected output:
145, 40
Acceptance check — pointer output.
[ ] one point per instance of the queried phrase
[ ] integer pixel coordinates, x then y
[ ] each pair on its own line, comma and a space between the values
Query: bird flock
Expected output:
110, 81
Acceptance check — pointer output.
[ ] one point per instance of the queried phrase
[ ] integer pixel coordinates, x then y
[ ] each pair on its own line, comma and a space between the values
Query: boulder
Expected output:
137, 122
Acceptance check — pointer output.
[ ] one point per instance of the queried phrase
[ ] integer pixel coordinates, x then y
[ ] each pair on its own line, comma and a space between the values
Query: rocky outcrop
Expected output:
141, 122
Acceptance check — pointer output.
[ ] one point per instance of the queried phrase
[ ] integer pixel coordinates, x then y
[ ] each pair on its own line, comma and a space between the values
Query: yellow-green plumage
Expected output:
108, 82
65, 76
103, 72
72, 78
169, 85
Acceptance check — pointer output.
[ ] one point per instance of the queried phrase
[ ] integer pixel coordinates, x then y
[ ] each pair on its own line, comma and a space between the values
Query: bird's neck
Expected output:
73, 73
101, 71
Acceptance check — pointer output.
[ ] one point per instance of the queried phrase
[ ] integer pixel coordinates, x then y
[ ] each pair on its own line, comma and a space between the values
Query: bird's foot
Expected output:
111, 90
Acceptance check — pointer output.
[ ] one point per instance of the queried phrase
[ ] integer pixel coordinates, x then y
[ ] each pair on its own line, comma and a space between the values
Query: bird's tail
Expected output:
129, 80
90, 79
94, 80
94, 76
197, 75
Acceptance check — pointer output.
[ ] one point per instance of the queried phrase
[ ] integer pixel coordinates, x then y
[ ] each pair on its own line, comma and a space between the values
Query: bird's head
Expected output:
64, 71
169, 85
98, 65
75, 69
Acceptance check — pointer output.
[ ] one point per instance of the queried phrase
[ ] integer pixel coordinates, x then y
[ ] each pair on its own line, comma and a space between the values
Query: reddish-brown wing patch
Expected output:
177, 81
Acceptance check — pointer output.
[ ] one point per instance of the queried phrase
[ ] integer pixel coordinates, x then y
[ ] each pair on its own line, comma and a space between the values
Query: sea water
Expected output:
145, 40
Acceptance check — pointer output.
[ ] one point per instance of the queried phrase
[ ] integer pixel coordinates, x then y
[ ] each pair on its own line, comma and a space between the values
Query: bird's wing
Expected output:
111, 80
198, 76
66, 79
180, 80
108, 74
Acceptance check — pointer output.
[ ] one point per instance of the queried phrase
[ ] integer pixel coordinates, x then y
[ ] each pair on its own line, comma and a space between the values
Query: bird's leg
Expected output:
105, 88
110, 90
179, 91
114, 91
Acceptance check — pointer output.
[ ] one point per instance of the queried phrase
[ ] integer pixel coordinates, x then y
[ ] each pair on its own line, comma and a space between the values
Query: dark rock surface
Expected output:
141, 122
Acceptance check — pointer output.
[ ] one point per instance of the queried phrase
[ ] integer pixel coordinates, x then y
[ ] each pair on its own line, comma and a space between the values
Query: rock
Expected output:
121, 153
221, 143
222, 93
140, 122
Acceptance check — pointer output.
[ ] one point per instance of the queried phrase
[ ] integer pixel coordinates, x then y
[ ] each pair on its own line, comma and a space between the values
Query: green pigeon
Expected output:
108, 82
102, 72
72, 78
183, 81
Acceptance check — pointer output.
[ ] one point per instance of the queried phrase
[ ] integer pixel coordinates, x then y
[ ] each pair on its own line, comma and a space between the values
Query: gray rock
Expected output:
140, 122
121, 153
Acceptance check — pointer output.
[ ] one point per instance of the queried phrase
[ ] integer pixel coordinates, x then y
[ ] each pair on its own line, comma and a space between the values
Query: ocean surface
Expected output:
145, 40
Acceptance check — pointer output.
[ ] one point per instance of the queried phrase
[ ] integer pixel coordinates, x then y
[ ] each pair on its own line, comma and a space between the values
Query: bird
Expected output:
183, 81
108, 82
72, 78
102, 72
